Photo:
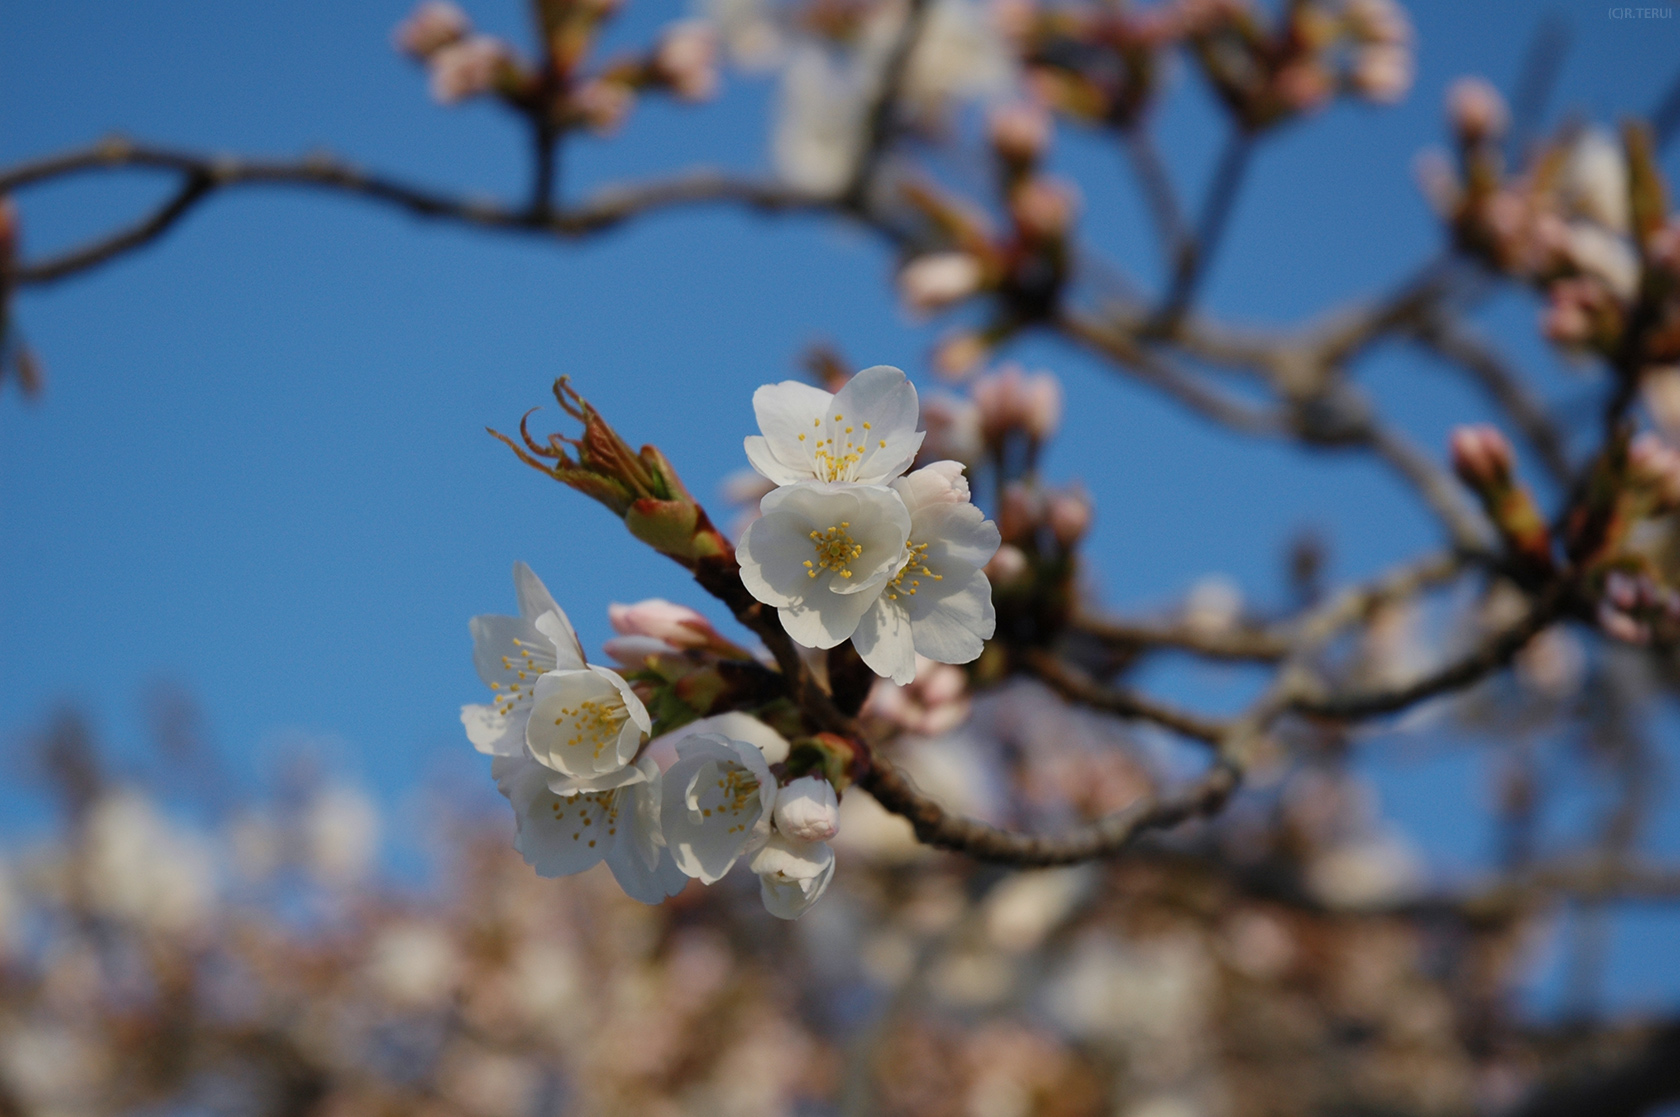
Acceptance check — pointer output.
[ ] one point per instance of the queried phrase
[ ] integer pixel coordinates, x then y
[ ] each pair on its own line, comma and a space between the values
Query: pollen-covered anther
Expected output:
836, 549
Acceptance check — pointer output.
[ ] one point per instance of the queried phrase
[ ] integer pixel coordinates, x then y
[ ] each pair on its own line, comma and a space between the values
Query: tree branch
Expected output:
1073, 684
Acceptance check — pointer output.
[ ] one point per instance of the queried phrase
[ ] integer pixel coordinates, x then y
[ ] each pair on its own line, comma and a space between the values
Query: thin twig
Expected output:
1210, 229
1158, 194
1074, 684
1235, 643
880, 122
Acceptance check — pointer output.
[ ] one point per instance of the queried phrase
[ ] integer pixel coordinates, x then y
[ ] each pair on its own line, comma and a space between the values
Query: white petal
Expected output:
495, 734
642, 884
883, 640
938, 483
632, 704
825, 621
771, 552
568, 653
704, 831
792, 875
577, 785
882, 397
738, 727
556, 836
577, 724
767, 464
785, 411
534, 598
952, 624
956, 534
496, 650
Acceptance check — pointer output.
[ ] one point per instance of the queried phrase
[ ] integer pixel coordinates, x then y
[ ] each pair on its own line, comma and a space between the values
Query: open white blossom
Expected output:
559, 835
510, 654
718, 799
820, 553
792, 875
587, 725
938, 601
864, 433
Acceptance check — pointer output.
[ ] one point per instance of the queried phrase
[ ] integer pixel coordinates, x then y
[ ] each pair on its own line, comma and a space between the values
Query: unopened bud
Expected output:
953, 429
1481, 457
959, 354
1008, 566
1020, 512
1438, 179
676, 625
1595, 180
936, 281
1661, 389
1069, 515
808, 810
603, 104
1477, 110
1383, 73
1042, 208
1569, 314
433, 25
1020, 132
1656, 465
468, 68
1304, 85
686, 59
1013, 400
1378, 21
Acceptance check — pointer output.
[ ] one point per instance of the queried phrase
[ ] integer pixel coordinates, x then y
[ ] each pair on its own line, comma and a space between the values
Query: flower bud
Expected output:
953, 429
1020, 512
686, 59
1042, 208
1069, 515
957, 354
1383, 73
1020, 132
433, 25
808, 810
1477, 110
1303, 85
1572, 311
1438, 178
1481, 457
936, 281
1012, 400
1213, 607
676, 625
1661, 389
1595, 180
468, 68
1008, 566
1655, 465
792, 875
1382, 22
603, 104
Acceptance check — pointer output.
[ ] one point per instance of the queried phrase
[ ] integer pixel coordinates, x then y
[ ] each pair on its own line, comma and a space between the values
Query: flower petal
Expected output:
785, 412
770, 466
568, 653
885, 399
556, 836
716, 804
884, 641
642, 884
953, 622
493, 733
577, 724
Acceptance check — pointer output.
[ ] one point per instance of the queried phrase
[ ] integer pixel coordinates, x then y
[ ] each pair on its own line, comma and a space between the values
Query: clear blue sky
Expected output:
260, 467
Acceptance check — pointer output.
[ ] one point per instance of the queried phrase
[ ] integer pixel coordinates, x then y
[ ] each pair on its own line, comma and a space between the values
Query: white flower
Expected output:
819, 121
433, 25
718, 799
938, 601
864, 433
959, 55
792, 875
510, 653
939, 279
807, 810
468, 68
559, 835
587, 725
820, 554
1595, 180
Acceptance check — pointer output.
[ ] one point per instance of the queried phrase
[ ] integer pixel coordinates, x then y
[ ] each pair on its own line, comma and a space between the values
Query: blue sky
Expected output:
260, 467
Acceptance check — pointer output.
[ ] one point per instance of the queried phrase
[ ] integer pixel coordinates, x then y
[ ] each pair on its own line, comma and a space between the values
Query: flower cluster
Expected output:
849, 546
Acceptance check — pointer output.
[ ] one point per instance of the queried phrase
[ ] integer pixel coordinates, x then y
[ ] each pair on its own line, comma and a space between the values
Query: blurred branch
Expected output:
1195, 256
1541, 65
881, 122
1234, 643
1636, 1080
1074, 684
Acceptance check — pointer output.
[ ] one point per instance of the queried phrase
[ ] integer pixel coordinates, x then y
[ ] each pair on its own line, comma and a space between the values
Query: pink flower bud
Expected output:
807, 810
677, 625
1481, 456
468, 68
1042, 208
1437, 177
1012, 400
686, 59
1020, 512
1661, 389
1477, 110
1378, 21
1008, 566
433, 25
1655, 464
1020, 132
1069, 516
1568, 317
603, 104
1383, 73
958, 354
953, 429
936, 281
1304, 85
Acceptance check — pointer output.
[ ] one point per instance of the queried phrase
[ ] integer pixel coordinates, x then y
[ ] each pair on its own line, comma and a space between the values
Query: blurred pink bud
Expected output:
1567, 319
1656, 464
1008, 566
1379, 21
935, 281
959, 354
935, 702
1620, 626
1663, 249
433, 25
1481, 456
1477, 110
1661, 389
1069, 515
1042, 208
633, 652
686, 59
1020, 512
1304, 85
677, 625
1012, 400
1438, 179
953, 429
603, 104
468, 68
1020, 132
1383, 73
807, 809
1213, 606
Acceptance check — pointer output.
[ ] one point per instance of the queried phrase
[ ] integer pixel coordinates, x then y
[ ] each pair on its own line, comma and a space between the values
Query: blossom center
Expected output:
915, 568
593, 725
835, 550
525, 664
836, 457
726, 793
